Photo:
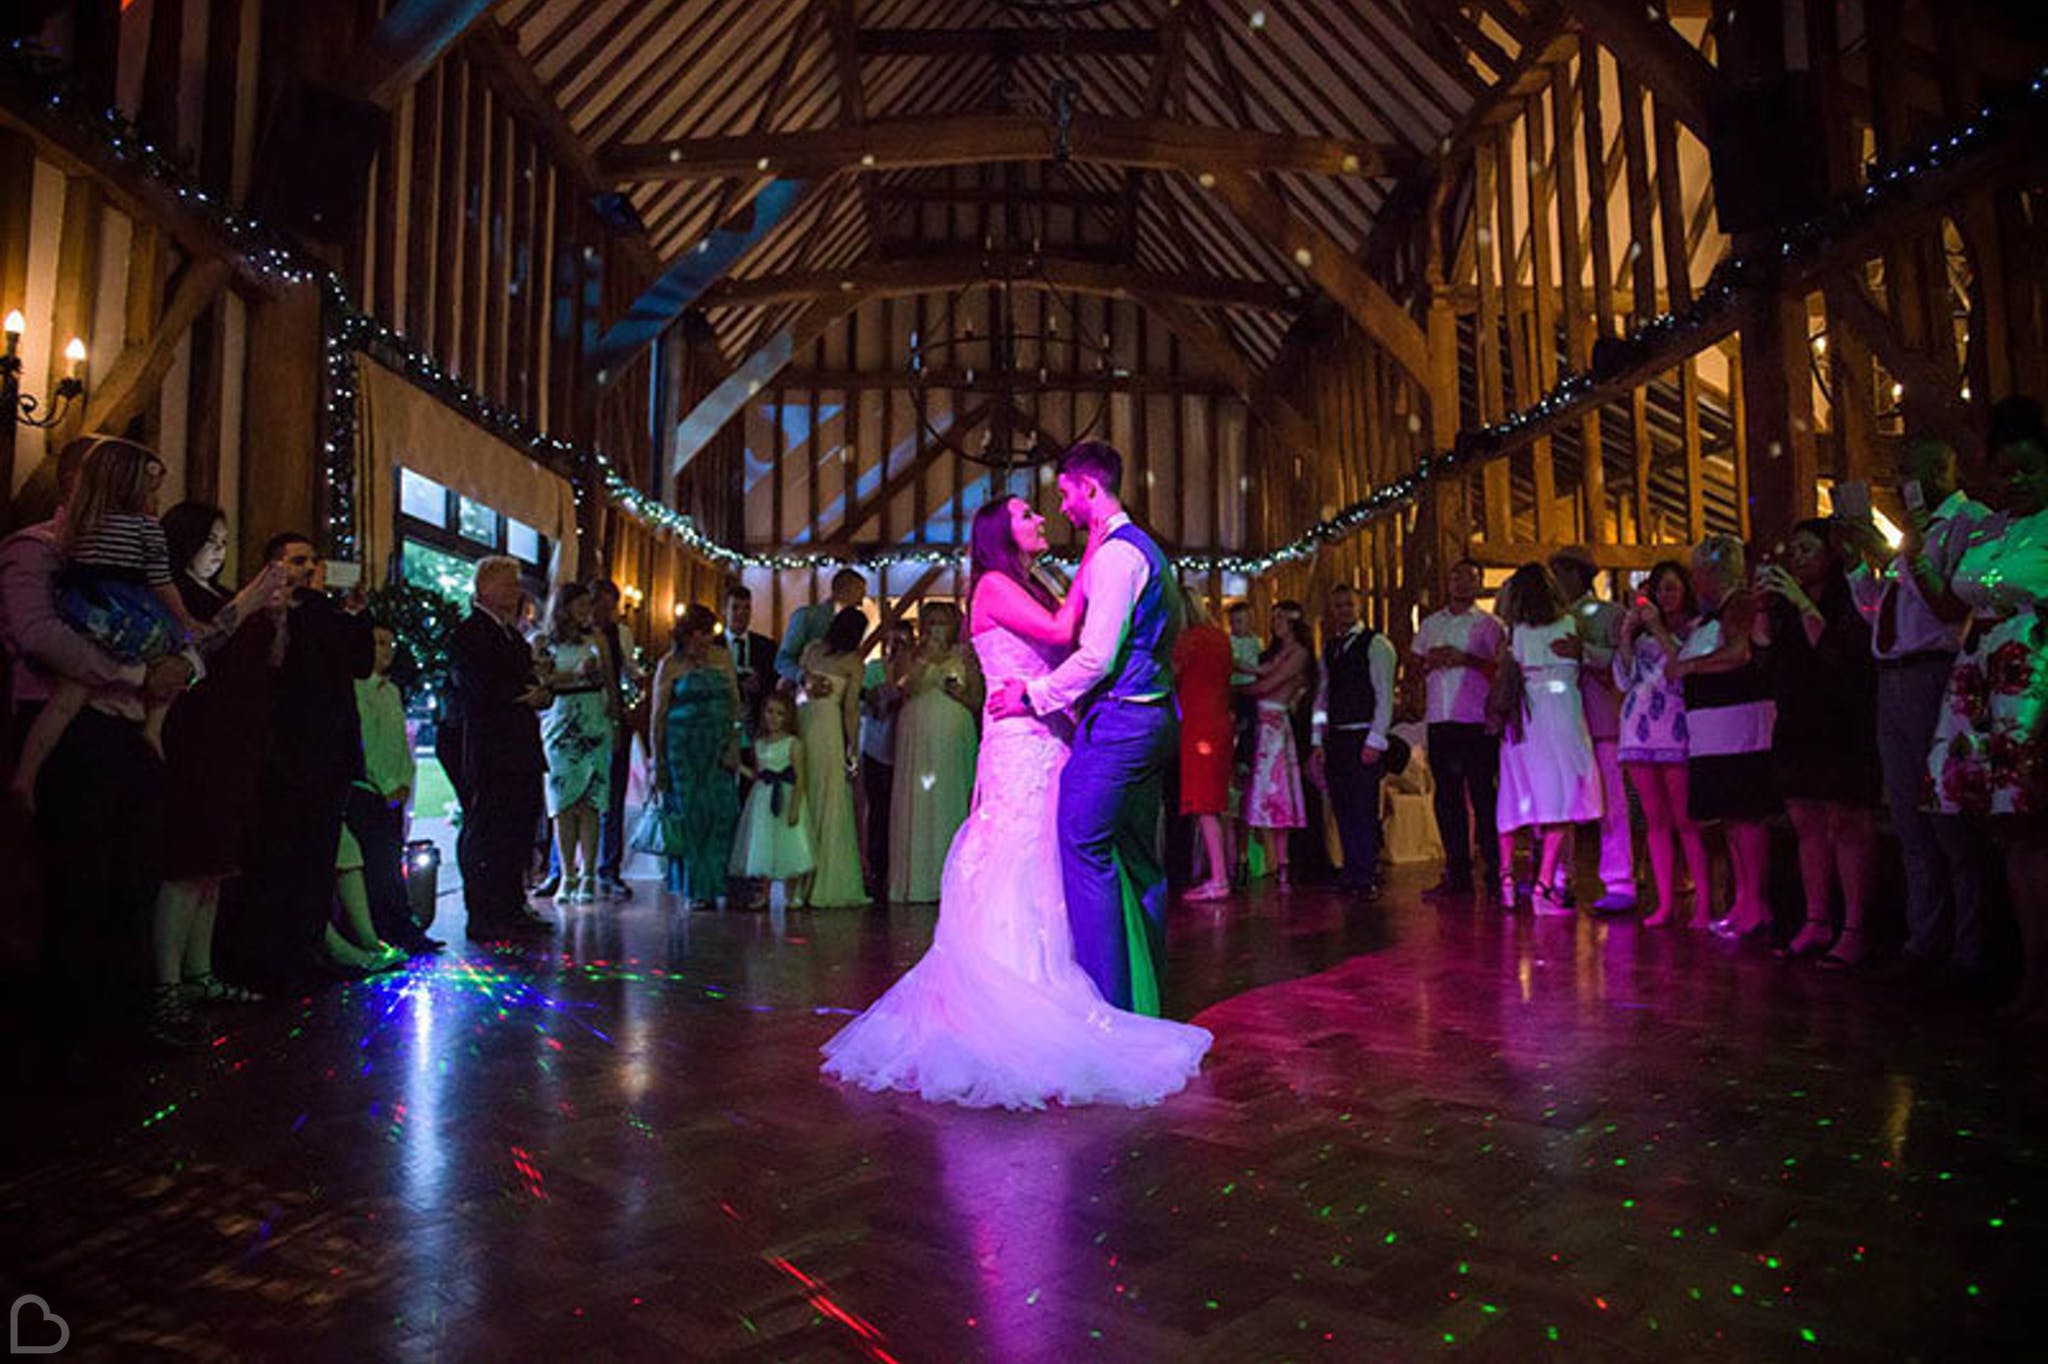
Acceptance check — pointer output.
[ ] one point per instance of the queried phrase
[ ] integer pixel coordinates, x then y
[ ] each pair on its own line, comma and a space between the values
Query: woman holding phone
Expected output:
1653, 736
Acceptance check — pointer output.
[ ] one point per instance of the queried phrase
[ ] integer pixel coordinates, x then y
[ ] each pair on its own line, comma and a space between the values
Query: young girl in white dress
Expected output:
774, 842
998, 1012
1549, 777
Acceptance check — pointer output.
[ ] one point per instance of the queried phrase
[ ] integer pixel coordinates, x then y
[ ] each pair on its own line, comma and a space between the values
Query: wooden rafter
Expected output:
408, 40
982, 138
1931, 387
941, 274
1683, 81
1363, 298
1004, 43
132, 381
859, 515
729, 399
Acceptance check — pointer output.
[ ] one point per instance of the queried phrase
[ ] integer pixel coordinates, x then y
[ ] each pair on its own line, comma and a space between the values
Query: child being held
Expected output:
773, 843
115, 590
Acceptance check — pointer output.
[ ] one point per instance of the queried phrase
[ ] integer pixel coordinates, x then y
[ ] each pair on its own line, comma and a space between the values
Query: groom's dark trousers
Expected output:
1111, 805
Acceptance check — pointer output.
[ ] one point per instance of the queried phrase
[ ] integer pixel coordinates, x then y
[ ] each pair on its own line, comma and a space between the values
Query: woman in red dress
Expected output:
1201, 669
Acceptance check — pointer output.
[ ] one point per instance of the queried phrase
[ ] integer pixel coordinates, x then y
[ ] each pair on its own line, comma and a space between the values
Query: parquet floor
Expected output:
1424, 1134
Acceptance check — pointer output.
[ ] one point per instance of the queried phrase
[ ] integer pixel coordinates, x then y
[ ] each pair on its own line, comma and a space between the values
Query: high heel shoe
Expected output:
1731, 929
1814, 937
1550, 903
1838, 960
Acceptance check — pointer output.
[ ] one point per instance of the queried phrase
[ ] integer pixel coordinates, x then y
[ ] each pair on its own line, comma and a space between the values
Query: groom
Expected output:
1119, 685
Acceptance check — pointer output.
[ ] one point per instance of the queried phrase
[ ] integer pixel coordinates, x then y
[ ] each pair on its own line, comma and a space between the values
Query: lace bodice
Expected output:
1008, 657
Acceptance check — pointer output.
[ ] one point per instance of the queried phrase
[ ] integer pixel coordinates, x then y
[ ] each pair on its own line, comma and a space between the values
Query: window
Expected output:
523, 542
478, 522
422, 498
437, 570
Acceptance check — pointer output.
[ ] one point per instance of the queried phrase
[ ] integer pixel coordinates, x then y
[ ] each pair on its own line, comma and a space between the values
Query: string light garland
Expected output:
350, 332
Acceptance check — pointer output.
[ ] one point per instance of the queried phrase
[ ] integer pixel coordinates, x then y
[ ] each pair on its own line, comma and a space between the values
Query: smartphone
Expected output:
1852, 500
343, 575
1916, 500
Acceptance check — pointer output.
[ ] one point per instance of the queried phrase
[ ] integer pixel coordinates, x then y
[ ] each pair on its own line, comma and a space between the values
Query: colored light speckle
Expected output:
1806, 1334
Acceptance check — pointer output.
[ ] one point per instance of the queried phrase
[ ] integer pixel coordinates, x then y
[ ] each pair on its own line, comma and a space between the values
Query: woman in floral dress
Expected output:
1988, 758
1273, 802
577, 732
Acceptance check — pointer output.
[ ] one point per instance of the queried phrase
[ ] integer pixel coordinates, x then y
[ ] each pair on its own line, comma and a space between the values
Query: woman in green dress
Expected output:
936, 747
828, 721
696, 753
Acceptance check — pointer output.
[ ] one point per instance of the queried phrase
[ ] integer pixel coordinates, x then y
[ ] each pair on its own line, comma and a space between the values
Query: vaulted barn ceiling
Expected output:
1388, 78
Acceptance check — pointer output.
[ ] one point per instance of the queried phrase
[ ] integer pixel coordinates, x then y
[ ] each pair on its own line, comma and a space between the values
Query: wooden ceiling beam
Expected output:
408, 40
1683, 81
1363, 299
944, 274
138, 372
982, 138
1003, 43
756, 372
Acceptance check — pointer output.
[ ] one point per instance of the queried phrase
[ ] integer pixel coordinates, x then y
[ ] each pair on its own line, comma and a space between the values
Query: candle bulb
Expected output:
15, 325
75, 353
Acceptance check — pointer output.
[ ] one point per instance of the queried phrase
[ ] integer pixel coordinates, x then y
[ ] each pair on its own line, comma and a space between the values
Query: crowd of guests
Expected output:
208, 783
213, 783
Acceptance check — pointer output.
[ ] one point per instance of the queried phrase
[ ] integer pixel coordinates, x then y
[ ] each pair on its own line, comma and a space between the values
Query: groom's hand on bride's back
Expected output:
1008, 700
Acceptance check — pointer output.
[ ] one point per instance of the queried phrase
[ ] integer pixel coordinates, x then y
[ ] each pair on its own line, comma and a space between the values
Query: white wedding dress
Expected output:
997, 1013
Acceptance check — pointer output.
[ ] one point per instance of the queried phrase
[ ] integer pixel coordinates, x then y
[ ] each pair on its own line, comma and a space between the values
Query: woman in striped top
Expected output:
1729, 718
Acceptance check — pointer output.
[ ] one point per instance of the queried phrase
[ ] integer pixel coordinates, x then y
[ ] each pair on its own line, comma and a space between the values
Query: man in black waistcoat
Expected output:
1354, 711
494, 701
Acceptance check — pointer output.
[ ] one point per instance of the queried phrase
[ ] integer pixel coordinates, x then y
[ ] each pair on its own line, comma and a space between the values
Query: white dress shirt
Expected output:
1380, 663
1919, 630
1117, 572
1457, 695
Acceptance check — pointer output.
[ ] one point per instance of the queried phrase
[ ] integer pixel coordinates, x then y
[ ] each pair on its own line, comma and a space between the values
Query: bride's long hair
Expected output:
991, 548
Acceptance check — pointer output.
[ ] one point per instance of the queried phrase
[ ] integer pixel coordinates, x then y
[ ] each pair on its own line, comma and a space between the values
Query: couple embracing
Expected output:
1028, 991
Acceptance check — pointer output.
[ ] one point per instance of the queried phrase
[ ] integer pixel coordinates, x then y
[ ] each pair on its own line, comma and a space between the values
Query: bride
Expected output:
997, 1012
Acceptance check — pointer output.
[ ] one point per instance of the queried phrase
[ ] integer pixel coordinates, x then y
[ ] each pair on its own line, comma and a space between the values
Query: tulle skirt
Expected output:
997, 1013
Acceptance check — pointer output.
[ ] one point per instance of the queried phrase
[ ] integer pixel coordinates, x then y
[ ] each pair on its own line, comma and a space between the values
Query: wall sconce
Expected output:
632, 597
22, 406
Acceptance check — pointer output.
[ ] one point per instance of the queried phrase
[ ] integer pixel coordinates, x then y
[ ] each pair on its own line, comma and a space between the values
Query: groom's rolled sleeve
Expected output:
1116, 574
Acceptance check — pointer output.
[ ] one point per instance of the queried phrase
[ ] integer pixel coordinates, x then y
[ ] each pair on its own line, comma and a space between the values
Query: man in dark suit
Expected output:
1354, 713
753, 654
312, 755
495, 700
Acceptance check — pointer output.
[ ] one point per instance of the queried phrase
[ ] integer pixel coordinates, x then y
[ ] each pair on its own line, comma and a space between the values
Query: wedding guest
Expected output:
213, 752
1245, 650
1273, 802
1729, 718
353, 938
495, 699
313, 751
1549, 774
1459, 646
773, 844
1599, 626
808, 624
1653, 737
880, 702
828, 719
1824, 743
616, 642
1202, 666
100, 799
753, 654
1917, 628
695, 742
1308, 849
377, 808
936, 748
1986, 761
1354, 709
576, 735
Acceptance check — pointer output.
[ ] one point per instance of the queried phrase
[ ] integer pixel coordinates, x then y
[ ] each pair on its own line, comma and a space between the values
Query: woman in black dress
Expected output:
1824, 746
213, 746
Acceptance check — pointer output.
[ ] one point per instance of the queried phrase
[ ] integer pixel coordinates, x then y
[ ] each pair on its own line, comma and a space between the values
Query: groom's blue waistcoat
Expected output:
1143, 665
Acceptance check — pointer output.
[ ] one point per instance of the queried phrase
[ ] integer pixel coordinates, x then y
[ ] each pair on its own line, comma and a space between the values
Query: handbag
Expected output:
656, 832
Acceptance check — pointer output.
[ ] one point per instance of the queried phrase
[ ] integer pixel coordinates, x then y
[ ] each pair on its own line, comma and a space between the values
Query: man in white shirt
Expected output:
1916, 630
1119, 682
1354, 710
1599, 626
1459, 647
808, 624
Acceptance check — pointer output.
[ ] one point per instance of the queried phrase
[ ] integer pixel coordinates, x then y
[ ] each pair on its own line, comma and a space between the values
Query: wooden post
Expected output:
280, 488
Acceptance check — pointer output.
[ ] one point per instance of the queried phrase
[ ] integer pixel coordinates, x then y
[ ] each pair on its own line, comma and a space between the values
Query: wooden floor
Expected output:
1424, 1133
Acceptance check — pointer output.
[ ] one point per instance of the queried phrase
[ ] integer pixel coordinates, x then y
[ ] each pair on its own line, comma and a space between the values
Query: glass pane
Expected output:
423, 498
438, 571
522, 541
479, 523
